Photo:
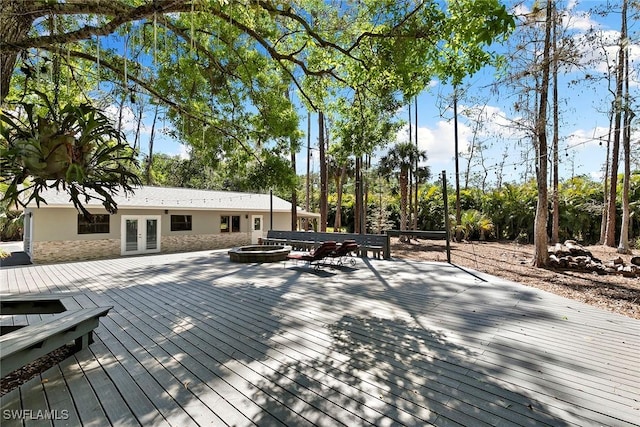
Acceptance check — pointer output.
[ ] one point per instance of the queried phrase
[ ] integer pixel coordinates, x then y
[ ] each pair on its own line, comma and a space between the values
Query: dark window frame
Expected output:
232, 222
95, 224
181, 222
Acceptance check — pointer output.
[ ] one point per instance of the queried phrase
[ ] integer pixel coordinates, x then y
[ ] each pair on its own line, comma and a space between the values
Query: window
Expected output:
180, 222
230, 224
93, 224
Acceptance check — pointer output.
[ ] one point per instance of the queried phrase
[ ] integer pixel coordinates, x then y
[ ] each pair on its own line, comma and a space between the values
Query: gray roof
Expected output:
179, 198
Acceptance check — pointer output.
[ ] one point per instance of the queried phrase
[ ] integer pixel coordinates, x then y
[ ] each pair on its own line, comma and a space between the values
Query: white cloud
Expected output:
129, 119
521, 10
584, 138
601, 51
438, 141
578, 20
185, 152
494, 122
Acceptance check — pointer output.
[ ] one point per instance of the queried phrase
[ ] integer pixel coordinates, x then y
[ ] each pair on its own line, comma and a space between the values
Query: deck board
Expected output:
108, 392
59, 399
34, 400
89, 408
196, 340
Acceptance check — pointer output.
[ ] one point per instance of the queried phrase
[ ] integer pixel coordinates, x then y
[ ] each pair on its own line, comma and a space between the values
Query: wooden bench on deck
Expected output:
377, 244
25, 344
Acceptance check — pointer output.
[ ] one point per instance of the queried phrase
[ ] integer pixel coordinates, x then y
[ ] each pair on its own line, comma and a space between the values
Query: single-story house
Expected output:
153, 219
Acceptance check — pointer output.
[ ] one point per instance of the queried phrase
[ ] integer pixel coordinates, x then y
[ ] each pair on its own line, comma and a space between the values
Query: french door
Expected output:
257, 232
140, 234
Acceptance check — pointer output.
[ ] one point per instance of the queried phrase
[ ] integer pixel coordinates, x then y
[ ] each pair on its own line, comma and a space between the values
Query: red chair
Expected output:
345, 252
317, 257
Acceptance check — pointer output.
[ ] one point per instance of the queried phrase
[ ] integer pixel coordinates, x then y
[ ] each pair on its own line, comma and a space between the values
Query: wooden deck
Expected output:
193, 339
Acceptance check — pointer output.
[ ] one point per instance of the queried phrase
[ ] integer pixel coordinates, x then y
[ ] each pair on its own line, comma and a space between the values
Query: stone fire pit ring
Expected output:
259, 253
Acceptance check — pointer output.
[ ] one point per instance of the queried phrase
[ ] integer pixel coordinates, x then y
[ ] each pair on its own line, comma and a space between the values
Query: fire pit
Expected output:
259, 253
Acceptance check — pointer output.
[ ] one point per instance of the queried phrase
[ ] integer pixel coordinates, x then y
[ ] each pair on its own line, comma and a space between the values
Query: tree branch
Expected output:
148, 87
121, 15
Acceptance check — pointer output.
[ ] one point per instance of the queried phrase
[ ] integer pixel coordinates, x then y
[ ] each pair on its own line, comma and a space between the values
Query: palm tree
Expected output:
400, 159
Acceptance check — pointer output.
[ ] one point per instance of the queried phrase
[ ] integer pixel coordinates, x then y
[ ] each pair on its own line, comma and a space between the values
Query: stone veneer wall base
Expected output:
203, 242
75, 250
81, 250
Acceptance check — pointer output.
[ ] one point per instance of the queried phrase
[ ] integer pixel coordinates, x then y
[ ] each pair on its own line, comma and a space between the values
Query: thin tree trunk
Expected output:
555, 225
136, 139
472, 152
337, 224
403, 201
151, 138
365, 195
120, 111
457, 156
610, 234
623, 246
605, 210
294, 190
417, 176
307, 204
411, 175
410, 199
358, 204
323, 173
541, 251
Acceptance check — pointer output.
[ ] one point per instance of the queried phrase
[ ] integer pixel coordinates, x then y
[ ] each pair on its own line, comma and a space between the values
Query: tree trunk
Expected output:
623, 246
541, 252
15, 24
415, 193
152, 136
610, 234
365, 194
457, 156
136, 139
323, 173
605, 209
411, 175
294, 192
337, 224
403, 201
555, 225
307, 204
358, 207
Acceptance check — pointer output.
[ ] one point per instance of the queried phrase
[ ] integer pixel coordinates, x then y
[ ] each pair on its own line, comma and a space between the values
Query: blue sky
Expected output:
583, 114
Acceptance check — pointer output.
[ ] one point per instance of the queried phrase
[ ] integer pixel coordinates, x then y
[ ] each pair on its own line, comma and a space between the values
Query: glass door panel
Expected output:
152, 234
131, 235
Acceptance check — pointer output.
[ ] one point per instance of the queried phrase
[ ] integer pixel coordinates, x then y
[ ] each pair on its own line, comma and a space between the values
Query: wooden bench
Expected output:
376, 244
28, 343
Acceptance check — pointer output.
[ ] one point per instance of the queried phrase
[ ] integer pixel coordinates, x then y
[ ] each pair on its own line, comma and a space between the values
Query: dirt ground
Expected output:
512, 261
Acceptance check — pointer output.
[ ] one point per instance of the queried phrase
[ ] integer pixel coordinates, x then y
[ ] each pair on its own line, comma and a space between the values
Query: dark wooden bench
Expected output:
376, 244
28, 343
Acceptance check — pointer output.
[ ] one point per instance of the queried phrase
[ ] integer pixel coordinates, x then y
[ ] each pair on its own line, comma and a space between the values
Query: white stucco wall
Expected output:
53, 224
55, 232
